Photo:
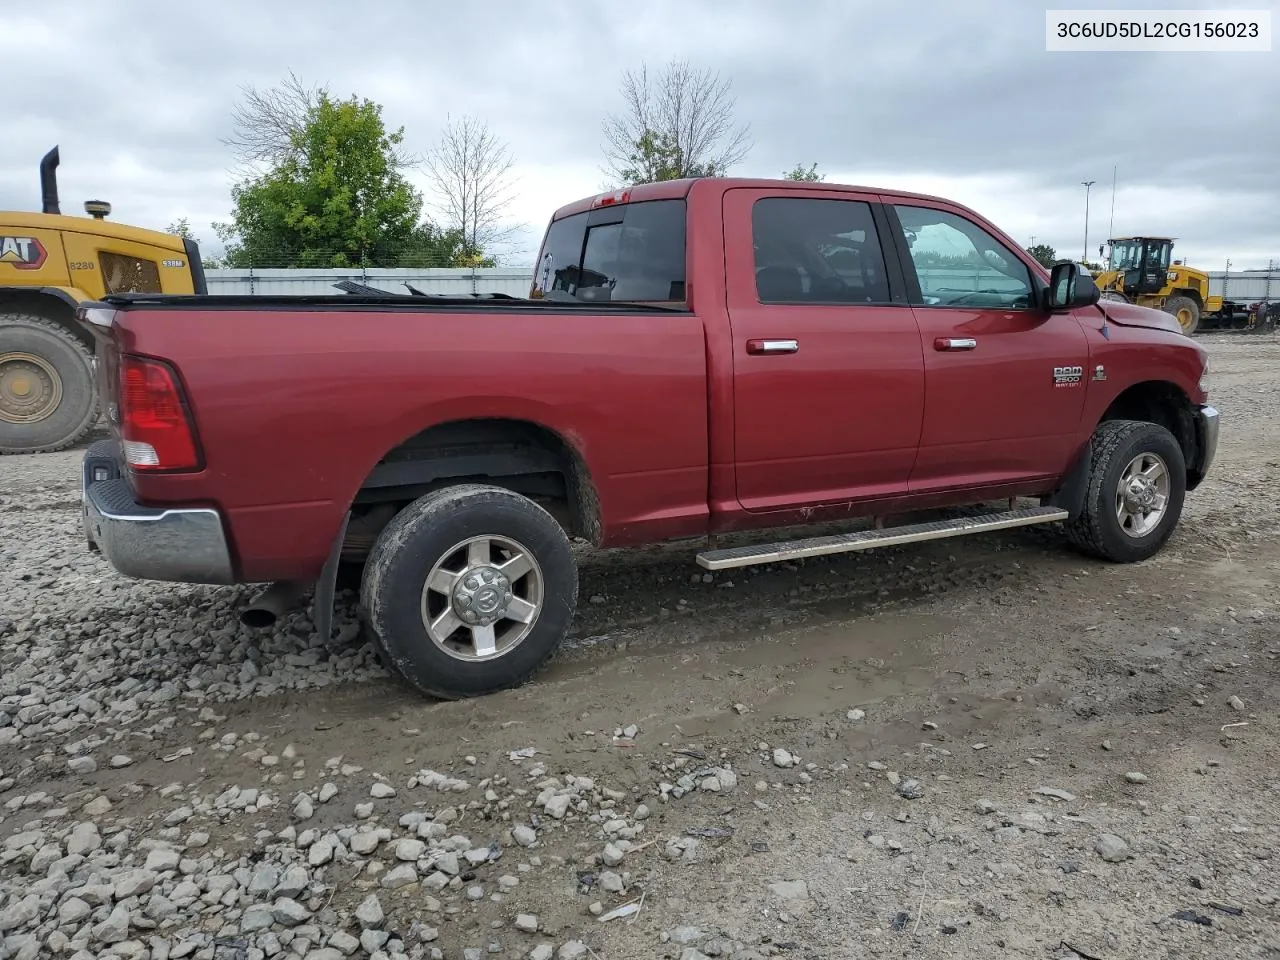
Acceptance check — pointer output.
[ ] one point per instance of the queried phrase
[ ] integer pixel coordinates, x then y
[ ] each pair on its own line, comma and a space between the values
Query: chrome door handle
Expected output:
955, 343
772, 346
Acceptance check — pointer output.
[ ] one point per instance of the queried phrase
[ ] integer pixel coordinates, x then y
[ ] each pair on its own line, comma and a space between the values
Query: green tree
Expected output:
1043, 253
182, 228
336, 197
799, 173
657, 156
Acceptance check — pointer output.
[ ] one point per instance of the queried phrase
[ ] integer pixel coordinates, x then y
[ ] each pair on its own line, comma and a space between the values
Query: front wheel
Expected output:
48, 399
469, 590
1137, 484
1185, 311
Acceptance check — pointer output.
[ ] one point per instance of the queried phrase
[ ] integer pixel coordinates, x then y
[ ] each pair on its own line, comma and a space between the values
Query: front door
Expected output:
1005, 380
828, 371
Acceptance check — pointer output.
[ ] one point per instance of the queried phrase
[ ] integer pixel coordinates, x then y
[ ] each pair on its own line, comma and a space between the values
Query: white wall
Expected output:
452, 282
1245, 287
514, 281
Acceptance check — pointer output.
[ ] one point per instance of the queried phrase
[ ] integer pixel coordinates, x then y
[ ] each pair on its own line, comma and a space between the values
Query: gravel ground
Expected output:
981, 748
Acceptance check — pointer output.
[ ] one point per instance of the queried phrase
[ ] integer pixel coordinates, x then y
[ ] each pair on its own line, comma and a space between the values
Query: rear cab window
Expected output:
820, 251
623, 252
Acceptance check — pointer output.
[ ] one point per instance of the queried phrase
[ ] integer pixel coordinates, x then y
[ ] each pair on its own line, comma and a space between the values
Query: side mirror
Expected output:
1070, 287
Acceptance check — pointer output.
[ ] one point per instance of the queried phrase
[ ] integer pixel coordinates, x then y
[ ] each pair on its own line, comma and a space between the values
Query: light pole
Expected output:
1087, 185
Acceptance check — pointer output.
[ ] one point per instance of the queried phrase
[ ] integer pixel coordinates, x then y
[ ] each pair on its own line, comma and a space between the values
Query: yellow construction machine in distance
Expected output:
49, 264
1141, 270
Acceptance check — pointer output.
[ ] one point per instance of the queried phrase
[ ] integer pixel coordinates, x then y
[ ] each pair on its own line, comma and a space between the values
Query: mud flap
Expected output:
1071, 492
326, 586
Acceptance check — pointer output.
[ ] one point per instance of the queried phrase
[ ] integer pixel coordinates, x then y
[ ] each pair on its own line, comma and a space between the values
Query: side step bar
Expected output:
871, 539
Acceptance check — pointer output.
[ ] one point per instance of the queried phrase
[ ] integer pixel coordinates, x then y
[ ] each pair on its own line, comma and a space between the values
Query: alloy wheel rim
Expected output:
482, 598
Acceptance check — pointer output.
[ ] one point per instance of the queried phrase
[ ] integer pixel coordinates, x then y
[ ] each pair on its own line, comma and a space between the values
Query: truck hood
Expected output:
1132, 315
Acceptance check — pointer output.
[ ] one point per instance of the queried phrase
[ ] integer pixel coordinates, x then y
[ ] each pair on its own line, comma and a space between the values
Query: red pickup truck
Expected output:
696, 357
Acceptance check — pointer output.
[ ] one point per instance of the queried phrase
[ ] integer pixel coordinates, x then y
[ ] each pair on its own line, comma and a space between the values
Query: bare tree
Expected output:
679, 124
268, 122
471, 170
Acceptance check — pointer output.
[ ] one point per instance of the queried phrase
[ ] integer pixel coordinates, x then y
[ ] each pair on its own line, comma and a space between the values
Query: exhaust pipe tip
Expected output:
272, 604
258, 617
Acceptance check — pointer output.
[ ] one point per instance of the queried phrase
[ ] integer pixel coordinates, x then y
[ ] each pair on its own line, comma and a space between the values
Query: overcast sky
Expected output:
959, 99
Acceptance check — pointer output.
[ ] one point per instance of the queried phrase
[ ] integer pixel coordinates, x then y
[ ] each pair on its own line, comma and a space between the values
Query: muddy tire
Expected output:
1137, 485
468, 591
48, 398
1185, 311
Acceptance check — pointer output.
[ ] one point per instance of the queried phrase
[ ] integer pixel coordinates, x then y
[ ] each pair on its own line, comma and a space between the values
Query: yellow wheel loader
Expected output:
1139, 270
49, 264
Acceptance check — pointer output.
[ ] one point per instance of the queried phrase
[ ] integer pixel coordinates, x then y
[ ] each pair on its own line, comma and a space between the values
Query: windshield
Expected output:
631, 251
1125, 255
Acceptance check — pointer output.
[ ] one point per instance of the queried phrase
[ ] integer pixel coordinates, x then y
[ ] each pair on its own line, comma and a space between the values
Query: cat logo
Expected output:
1067, 376
23, 253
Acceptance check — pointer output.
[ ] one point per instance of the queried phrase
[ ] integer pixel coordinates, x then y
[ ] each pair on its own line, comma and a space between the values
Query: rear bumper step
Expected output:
184, 544
871, 539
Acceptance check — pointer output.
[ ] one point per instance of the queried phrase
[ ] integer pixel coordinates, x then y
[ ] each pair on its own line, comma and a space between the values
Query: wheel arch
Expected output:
1161, 402
521, 455
1190, 294
52, 303
1151, 401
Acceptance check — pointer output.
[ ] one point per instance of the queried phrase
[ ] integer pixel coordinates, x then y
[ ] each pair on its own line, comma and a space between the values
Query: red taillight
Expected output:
154, 426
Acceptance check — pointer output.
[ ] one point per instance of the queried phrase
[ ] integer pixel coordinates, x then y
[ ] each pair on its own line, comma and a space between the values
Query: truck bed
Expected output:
298, 400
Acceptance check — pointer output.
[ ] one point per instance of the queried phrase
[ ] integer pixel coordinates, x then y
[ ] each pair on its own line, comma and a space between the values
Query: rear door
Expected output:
828, 371
1005, 380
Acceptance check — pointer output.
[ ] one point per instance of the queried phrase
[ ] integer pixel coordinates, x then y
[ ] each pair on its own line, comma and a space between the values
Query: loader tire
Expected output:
1185, 311
48, 398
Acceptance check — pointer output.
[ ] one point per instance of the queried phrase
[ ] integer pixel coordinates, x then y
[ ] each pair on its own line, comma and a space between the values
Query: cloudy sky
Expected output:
959, 99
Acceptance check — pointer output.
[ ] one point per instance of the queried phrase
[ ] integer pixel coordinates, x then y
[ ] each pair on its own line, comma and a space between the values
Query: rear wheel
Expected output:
469, 590
1185, 311
48, 399
1137, 484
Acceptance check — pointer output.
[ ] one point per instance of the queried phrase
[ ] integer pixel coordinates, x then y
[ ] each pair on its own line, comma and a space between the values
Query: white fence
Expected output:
513, 281
1246, 286
451, 282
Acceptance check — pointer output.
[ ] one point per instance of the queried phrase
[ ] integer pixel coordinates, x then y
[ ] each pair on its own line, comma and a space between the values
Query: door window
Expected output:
809, 250
959, 264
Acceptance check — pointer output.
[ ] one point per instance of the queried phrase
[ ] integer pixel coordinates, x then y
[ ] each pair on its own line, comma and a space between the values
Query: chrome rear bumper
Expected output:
186, 545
